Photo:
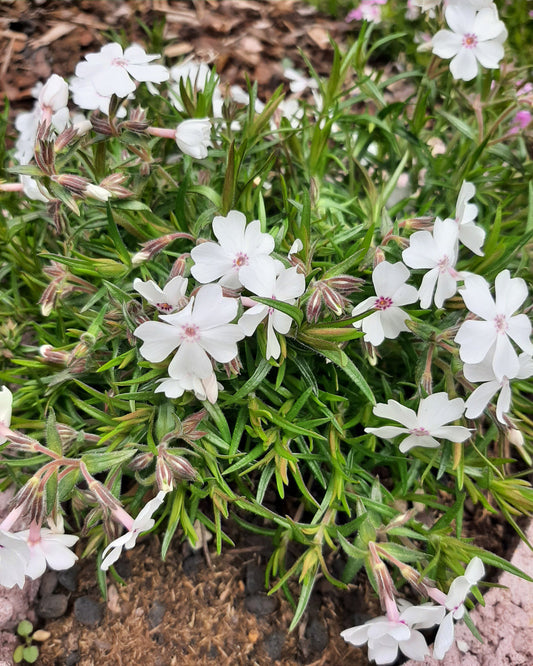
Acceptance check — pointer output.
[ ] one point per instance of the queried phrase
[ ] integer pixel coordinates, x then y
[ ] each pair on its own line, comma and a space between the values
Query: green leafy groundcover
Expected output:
341, 181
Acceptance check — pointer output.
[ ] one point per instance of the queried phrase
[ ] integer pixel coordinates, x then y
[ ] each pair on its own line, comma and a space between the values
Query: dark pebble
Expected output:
213, 652
260, 605
52, 606
156, 613
123, 567
255, 579
48, 583
88, 612
69, 578
317, 636
72, 658
191, 564
273, 644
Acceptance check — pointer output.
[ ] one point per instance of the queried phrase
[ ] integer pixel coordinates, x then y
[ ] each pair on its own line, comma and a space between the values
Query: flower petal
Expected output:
395, 411
510, 293
475, 339
387, 432
437, 409
426, 441
519, 330
388, 277
477, 297
478, 400
464, 65
446, 44
159, 339
444, 637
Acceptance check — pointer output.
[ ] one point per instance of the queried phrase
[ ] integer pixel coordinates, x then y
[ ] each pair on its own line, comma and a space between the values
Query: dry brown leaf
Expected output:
320, 36
54, 33
178, 49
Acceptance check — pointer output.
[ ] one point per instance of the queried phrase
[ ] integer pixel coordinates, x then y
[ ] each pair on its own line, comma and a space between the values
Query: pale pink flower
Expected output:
477, 338
425, 427
438, 252
388, 319
172, 297
14, 558
114, 72
475, 36
6, 404
285, 287
142, 523
193, 137
52, 548
239, 245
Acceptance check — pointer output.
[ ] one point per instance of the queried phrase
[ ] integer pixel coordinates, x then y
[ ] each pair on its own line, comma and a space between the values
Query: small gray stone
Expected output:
88, 612
69, 578
273, 645
255, 579
156, 613
52, 606
48, 583
261, 605
72, 658
317, 636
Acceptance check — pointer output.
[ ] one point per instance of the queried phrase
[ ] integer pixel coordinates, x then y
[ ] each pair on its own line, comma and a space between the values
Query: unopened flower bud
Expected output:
379, 256
113, 184
82, 127
515, 437
179, 267
103, 125
163, 475
194, 137
314, 305
233, 368
54, 93
103, 495
153, 247
141, 461
52, 355
181, 468
333, 300
97, 192
65, 138
345, 284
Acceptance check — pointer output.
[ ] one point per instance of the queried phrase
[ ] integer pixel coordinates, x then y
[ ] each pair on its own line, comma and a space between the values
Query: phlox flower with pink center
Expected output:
395, 632
483, 372
475, 36
142, 523
199, 331
172, 297
239, 245
492, 336
438, 252
425, 427
521, 120
48, 547
387, 319
454, 604
113, 71
367, 10
285, 287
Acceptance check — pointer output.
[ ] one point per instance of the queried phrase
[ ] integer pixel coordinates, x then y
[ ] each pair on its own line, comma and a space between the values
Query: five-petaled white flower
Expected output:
385, 636
193, 137
114, 72
14, 558
438, 252
85, 95
388, 319
200, 330
52, 548
142, 523
482, 395
286, 287
239, 245
477, 339
474, 36
470, 235
424, 427
170, 298
457, 593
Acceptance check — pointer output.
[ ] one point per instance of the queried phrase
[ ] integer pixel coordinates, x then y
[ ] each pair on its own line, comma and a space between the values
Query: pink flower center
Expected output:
443, 264
382, 303
240, 260
470, 41
119, 62
419, 432
164, 307
190, 333
500, 322
271, 310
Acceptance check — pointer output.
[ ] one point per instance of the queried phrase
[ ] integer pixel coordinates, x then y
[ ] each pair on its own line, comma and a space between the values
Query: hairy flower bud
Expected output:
314, 305
141, 461
181, 468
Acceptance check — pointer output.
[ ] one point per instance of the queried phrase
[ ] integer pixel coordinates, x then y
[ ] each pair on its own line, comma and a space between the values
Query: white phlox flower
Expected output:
114, 72
296, 247
240, 96
438, 252
197, 72
385, 636
14, 558
457, 593
425, 427
483, 372
285, 287
199, 331
142, 523
86, 96
475, 36
299, 82
51, 548
33, 189
203, 389
193, 137
470, 235
477, 339
239, 245
388, 319
6, 405
172, 297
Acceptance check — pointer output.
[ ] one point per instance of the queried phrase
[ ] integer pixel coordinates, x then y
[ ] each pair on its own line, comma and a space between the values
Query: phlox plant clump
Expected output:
206, 296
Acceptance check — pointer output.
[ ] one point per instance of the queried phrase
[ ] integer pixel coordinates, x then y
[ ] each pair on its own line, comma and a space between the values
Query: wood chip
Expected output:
56, 32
